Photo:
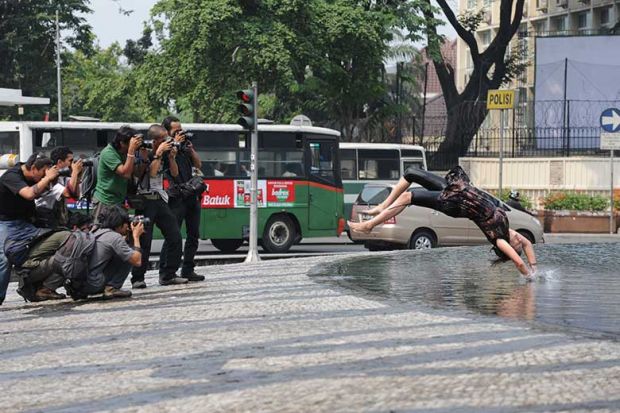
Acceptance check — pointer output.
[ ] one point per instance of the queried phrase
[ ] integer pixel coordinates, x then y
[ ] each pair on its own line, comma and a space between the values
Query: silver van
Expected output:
420, 228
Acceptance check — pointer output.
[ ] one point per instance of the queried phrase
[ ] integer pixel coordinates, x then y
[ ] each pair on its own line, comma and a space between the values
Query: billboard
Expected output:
577, 77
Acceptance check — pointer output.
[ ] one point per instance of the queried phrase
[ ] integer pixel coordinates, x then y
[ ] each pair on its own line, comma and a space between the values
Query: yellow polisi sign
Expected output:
500, 99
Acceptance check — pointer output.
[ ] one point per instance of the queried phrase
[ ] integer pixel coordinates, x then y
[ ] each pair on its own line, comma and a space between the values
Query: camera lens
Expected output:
87, 162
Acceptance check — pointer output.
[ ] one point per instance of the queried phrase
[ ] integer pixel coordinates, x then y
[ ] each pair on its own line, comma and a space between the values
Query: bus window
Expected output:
378, 164
322, 160
280, 155
417, 163
83, 142
411, 153
348, 164
9, 143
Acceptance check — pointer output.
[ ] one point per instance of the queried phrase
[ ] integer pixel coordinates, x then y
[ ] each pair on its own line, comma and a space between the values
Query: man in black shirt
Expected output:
185, 208
19, 186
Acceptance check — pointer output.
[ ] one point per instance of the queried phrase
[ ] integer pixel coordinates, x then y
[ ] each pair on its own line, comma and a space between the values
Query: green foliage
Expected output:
575, 201
471, 19
98, 85
525, 200
28, 48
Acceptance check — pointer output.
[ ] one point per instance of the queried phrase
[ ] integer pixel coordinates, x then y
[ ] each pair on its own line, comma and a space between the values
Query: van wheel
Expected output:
226, 245
279, 234
422, 240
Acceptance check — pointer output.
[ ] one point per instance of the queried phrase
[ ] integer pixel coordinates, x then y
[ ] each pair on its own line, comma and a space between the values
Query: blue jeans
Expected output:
8, 229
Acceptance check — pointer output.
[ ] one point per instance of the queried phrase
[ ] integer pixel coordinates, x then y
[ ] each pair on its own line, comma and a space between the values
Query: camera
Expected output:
88, 162
135, 219
66, 171
188, 135
146, 145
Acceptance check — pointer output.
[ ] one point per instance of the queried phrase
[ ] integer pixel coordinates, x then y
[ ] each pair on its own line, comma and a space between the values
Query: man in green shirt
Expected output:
116, 167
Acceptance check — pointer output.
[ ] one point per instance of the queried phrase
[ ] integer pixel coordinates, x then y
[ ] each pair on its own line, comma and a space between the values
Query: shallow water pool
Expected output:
577, 287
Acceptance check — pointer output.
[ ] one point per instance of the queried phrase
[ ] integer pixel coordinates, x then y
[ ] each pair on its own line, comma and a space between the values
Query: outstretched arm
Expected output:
505, 247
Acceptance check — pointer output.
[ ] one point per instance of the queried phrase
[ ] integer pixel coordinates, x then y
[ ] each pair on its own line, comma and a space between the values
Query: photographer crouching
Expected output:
151, 202
113, 255
185, 191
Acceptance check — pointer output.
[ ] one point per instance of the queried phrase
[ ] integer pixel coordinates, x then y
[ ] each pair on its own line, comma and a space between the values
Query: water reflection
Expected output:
578, 288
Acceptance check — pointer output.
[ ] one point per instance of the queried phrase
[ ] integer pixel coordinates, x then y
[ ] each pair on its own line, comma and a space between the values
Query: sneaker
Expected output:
194, 277
44, 294
172, 281
138, 285
111, 292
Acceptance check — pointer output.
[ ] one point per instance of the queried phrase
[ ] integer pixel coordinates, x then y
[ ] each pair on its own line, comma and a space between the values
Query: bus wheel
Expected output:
227, 245
279, 234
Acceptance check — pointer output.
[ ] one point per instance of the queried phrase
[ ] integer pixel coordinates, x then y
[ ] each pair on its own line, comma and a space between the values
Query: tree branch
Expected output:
467, 36
446, 78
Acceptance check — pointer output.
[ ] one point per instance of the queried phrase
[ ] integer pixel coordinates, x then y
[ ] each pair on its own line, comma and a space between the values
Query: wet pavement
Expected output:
576, 288
266, 337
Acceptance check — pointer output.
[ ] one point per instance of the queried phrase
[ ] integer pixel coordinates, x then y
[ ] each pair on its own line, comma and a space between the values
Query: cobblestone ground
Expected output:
266, 337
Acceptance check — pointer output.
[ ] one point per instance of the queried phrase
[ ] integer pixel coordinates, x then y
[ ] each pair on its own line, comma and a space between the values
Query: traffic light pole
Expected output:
252, 256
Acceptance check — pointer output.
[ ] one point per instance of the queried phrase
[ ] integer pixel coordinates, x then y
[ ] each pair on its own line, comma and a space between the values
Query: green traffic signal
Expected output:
246, 108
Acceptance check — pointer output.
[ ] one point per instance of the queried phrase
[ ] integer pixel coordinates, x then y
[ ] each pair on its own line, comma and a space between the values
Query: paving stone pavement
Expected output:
266, 337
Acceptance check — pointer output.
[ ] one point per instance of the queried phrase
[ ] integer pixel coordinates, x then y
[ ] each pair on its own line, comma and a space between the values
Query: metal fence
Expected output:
532, 129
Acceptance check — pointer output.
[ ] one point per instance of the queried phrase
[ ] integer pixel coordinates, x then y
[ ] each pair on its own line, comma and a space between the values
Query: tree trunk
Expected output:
463, 121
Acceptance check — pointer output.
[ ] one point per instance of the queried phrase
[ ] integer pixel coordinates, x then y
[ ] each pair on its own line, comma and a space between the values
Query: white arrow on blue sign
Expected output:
610, 120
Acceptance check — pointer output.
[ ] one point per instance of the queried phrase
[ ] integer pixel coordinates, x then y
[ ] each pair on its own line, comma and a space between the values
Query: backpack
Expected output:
72, 260
89, 179
17, 248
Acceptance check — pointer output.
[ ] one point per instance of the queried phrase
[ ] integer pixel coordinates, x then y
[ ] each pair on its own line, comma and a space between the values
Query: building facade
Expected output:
540, 18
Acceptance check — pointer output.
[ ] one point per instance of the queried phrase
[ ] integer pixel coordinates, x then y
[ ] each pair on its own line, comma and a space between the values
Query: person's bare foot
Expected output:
359, 227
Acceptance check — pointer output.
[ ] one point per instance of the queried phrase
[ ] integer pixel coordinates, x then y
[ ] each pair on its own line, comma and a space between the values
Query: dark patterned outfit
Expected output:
456, 197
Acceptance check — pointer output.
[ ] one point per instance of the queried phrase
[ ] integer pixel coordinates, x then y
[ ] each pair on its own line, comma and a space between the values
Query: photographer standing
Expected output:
187, 207
151, 201
51, 207
19, 186
116, 167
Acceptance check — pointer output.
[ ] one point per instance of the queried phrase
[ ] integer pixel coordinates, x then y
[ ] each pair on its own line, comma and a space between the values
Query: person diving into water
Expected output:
455, 197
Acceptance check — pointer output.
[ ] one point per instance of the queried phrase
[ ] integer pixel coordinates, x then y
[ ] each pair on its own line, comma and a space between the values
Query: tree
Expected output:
28, 42
318, 57
491, 68
99, 85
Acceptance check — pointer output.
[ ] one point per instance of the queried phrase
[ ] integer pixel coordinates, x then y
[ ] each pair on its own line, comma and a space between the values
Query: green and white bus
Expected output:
300, 191
362, 163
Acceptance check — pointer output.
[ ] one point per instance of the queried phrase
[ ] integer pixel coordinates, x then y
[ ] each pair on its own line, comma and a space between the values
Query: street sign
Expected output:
610, 141
610, 120
500, 99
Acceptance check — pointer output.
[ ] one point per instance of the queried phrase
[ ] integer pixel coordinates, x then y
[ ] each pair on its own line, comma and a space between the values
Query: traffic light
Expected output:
247, 108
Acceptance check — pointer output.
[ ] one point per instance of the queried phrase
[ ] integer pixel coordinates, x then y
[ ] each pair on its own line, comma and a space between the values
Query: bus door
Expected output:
323, 193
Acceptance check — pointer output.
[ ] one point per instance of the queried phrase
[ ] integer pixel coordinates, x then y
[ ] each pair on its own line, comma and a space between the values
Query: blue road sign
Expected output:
610, 120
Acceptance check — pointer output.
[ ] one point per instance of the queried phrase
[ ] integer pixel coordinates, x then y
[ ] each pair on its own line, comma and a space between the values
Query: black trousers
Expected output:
188, 210
161, 215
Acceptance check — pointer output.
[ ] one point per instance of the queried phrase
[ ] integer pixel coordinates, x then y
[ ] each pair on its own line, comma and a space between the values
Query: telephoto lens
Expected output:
88, 162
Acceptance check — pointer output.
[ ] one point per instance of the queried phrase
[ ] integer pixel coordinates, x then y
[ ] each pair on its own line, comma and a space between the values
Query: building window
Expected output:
582, 20
471, 4
605, 15
540, 27
559, 24
485, 38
